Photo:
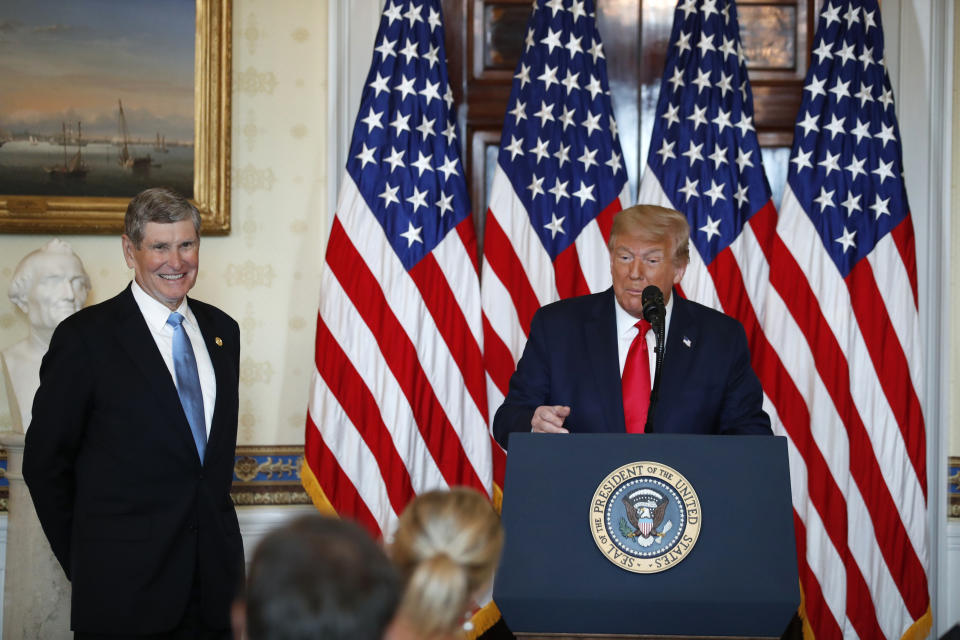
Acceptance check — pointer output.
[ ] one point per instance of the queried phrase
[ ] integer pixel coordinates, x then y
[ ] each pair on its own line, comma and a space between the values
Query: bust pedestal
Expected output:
36, 602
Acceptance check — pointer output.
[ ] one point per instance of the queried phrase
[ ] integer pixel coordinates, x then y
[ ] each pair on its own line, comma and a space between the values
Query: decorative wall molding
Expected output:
953, 488
262, 475
268, 476
4, 497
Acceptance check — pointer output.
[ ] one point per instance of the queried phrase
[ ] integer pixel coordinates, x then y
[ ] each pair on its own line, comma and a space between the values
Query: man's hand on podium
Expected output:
549, 419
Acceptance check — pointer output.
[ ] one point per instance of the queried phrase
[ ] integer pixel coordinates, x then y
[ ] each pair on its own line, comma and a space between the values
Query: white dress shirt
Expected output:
626, 332
155, 314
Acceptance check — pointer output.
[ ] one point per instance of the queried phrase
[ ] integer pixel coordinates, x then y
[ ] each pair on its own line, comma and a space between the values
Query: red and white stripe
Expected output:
518, 277
851, 354
838, 364
398, 402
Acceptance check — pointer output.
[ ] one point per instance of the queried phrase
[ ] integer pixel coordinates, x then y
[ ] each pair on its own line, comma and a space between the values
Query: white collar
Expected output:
155, 313
626, 322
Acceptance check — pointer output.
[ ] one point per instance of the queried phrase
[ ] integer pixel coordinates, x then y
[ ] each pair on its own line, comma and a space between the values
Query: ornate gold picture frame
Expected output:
211, 161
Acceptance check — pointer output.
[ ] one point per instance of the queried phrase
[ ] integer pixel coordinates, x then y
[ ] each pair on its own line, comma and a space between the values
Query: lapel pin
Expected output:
220, 342
686, 341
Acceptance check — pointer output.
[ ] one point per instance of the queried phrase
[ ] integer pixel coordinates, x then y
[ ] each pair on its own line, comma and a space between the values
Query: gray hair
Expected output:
24, 273
654, 224
158, 204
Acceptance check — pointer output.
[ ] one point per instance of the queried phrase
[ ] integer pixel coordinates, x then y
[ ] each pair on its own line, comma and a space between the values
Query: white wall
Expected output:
950, 582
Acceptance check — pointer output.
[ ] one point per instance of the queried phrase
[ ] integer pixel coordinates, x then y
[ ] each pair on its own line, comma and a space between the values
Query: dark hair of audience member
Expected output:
320, 577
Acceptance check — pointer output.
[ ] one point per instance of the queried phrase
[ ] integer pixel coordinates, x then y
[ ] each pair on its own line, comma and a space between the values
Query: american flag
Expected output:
398, 400
704, 161
843, 317
559, 180
838, 365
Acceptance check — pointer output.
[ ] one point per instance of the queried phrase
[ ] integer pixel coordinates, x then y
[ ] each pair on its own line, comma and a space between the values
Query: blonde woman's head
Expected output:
447, 547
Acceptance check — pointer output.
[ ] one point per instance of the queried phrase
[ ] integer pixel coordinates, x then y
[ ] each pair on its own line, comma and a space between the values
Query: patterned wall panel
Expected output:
953, 488
268, 476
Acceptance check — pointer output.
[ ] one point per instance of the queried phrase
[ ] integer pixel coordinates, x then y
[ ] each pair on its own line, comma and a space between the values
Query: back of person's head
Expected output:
320, 577
447, 547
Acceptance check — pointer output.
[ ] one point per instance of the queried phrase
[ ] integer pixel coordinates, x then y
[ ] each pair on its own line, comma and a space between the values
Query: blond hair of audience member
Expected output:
446, 548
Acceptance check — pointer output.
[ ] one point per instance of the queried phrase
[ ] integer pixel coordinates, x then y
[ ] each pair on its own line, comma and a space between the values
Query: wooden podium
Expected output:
738, 580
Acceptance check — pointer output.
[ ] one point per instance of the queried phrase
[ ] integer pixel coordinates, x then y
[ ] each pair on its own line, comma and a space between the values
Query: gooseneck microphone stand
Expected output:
654, 312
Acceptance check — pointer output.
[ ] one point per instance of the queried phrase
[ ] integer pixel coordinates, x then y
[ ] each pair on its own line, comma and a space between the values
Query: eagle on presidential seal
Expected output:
645, 509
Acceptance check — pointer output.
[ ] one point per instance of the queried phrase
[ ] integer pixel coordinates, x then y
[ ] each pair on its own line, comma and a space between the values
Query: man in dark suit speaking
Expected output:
589, 361
129, 456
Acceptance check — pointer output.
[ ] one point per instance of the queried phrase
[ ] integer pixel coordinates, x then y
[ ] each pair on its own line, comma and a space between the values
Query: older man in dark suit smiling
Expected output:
129, 455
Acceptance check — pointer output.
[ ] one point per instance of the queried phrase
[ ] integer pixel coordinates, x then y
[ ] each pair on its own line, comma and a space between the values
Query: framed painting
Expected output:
100, 99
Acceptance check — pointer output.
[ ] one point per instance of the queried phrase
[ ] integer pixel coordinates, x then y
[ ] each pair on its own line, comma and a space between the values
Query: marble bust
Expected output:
48, 285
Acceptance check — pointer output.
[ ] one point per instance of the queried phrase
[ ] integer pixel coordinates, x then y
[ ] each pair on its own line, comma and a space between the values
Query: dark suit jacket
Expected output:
706, 386
130, 512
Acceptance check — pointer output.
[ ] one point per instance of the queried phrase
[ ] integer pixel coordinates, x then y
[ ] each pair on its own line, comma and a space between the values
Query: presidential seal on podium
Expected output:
645, 517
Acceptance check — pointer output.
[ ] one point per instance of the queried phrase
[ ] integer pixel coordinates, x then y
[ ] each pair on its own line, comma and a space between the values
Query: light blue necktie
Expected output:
188, 382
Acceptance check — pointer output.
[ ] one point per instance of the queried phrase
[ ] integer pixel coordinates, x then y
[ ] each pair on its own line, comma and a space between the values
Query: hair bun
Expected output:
447, 546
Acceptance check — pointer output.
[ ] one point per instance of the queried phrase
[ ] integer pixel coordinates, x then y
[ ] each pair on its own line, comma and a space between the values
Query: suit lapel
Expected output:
681, 339
600, 337
137, 341
221, 365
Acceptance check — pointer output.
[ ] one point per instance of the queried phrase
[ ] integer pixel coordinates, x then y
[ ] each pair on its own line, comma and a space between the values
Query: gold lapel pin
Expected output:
218, 341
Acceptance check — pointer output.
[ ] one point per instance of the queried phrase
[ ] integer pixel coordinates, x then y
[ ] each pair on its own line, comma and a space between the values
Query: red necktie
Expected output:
636, 381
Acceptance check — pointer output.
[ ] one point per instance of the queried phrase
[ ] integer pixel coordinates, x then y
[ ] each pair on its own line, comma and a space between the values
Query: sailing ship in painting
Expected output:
160, 145
75, 167
67, 137
126, 159
125, 106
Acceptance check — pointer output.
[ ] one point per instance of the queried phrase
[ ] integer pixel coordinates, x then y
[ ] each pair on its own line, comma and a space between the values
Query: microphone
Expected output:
653, 307
654, 312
